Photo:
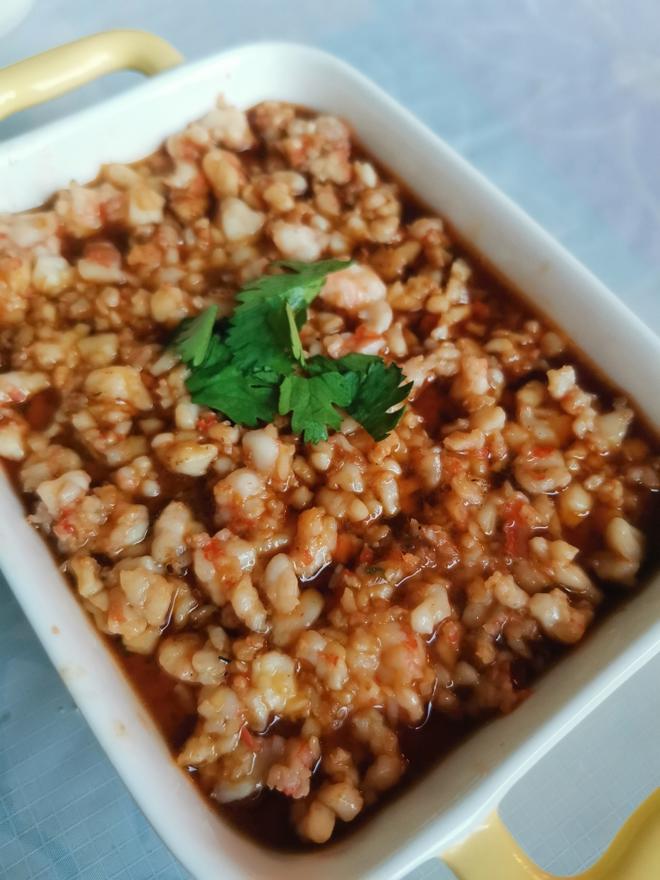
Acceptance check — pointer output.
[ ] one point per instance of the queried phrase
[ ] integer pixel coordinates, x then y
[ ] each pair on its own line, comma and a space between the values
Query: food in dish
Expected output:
308, 622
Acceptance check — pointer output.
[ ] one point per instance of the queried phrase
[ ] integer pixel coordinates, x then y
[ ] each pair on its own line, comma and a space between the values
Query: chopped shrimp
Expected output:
19, 386
559, 619
353, 288
220, 562
172, 536
316, 539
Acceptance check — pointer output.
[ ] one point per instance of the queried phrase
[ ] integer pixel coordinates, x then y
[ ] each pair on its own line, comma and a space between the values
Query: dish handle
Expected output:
67, 67
490, 853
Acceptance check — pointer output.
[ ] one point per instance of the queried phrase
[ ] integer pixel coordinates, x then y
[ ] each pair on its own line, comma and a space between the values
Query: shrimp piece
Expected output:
13, 435
14, 289
320, 146
101, 264
19, 385
353, 288
240, 497
35, 232
51, 274
139, 607
145, 205
296, 241
280, 584
46, 464
316, 540
228, 126
64, 491
188, 658
293, 774
220, 563
248, 606
244, 772
173, 531
224, 172
359, 291
223, 719
80, 209
558, 618
363, 341
120, 383
182, 455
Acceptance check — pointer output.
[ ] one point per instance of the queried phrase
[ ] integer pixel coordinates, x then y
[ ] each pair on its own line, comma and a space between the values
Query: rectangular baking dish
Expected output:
450, 802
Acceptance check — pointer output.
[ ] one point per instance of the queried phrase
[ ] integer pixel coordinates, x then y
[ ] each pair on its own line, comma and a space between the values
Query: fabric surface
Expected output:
558, 102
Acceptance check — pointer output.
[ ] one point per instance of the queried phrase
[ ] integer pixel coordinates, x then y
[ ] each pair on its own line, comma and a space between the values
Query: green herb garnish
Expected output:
378, 388
193, 336
263, 331
312, 402
253, 365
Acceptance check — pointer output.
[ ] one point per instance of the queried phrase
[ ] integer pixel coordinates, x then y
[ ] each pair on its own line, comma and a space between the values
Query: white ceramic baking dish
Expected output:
451, 801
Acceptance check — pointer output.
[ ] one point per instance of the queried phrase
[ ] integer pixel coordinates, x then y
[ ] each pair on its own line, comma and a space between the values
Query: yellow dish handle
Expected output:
492, 854
67, 67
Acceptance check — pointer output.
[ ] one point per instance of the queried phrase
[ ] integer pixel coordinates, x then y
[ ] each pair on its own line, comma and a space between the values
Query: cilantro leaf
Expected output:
378, 389
301, 284
193, 336
259, 335
263, 330
349, 363
217, 357
217, 354
246, 399
312, 402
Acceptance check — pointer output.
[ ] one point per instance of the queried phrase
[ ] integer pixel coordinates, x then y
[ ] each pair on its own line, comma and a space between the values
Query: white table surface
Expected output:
558, 102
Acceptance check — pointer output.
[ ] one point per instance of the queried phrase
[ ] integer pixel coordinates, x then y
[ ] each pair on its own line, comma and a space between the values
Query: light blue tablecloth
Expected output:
558, 102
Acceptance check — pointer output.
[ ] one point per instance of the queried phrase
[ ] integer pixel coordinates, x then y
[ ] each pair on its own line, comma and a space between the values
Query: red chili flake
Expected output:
451, 632
366, 555
411, 640
452, 465
541, 451
345, 549
331, 659
363, 333
516, 529
205, 423
253, 744
64, 526
213, 550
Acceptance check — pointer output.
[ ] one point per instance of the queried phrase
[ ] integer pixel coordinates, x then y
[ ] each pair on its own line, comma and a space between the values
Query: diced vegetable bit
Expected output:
254, 366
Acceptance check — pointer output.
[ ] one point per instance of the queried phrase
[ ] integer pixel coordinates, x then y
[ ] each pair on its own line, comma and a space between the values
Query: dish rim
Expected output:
494, 782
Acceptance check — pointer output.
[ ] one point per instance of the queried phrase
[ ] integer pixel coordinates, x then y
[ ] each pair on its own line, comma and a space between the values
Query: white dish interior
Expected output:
446, 804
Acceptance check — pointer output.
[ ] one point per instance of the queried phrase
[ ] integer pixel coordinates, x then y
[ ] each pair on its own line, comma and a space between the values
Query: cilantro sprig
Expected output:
253, 366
